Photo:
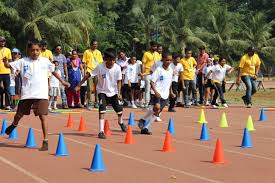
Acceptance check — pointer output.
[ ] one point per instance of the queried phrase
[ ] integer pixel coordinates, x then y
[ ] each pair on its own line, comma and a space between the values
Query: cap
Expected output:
15, 50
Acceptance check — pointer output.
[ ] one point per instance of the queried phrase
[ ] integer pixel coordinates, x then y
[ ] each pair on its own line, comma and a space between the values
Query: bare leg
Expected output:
44, 125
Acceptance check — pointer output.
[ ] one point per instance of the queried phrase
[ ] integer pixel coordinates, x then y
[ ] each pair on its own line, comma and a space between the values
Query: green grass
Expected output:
261, 98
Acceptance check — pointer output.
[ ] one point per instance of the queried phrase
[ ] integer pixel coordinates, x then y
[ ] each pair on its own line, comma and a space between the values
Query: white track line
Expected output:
139, 160
22, 170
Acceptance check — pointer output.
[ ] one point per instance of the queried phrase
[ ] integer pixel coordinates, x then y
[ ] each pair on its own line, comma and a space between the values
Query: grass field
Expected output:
260, 98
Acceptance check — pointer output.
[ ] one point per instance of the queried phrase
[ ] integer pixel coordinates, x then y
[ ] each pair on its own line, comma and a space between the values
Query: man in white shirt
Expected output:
108, 89
161, 81
34, 71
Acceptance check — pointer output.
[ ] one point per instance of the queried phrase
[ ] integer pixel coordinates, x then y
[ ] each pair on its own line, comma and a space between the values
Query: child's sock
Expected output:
50, 104
54, 104
101, 125
133, 102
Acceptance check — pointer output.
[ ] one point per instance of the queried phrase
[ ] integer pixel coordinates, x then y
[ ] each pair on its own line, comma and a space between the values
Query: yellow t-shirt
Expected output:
47, 54
189, 65
248, 65
92, 58
4, 52
149, 59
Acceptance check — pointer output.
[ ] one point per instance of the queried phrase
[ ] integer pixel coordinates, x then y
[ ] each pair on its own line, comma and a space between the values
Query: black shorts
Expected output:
163, 102
209, 84
104, 101
134, 86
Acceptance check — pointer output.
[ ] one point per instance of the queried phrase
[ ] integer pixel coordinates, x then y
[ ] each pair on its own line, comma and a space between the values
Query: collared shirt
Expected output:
92, 58
4, 52
248, 65
47, 54
61, 61
189, 65
201, 62
149, 59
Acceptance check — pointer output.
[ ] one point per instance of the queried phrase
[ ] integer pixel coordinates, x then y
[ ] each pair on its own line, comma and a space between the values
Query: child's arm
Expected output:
153, 86
119, 89
6, 62
55, 74
77, 88
172, 94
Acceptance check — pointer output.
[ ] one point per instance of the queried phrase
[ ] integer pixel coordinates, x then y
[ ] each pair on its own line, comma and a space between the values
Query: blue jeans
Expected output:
63, 93
250, 87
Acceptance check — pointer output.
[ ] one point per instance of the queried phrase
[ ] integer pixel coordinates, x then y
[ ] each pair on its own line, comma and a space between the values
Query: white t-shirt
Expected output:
132, 73
142, 82
34, 75
163, 79
12, 76
107, 79
206, 70
218, 72
176, 70
123, 64
54, 82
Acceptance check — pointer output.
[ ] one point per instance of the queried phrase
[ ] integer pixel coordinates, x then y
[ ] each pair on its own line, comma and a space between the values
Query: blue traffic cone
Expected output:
204, 133
30, 143
131, 119
13, 135
61, 149
171, 128
4, 126
97, 163
246, 142
262, 116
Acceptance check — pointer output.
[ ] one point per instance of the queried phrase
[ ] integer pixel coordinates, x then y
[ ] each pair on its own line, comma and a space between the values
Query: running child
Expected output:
34, 72
218, 75
54, 87
177, 71
161, 86
132, 77
108, 89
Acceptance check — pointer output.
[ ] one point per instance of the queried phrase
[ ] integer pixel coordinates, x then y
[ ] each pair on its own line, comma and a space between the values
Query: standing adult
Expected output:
62, 66
248, 71
148, 60
5, 53
91, 59
44, 50
122, 61
201, 63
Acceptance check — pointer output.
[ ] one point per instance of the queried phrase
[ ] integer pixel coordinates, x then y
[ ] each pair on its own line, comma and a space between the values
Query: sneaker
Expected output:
101, 135
225, 105
215, 106
145, 131
55, 108
141, 123
96, 106
8, 107
123, 127
45, 145
90, 107
141, 105
133, 106
172, 110
65, 107
244, 100
10, 129
249, 105
158, 119
207, 103
49, 108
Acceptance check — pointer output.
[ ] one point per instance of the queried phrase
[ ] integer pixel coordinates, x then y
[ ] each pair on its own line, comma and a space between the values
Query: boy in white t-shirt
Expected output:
141, 92
218, 75
177, 68
161, 88
54, 84
132, 77
108, 89
34, 71
209, 87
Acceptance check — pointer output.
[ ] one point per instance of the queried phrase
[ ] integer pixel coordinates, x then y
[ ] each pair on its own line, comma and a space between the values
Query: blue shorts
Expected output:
12, 90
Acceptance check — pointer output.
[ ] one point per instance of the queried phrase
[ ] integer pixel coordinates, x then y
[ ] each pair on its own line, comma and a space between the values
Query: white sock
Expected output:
133, 102
101, 125
54, 104
50, 104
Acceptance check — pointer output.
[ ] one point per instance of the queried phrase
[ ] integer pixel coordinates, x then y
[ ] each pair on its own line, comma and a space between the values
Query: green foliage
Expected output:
226, 27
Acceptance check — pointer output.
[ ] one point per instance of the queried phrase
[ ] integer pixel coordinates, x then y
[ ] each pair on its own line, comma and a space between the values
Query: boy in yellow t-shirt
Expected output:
91, 59
5, 53
189, 63
45, 52
148, 60
248, 71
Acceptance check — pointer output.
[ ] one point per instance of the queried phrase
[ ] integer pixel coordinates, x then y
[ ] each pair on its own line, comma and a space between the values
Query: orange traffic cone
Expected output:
107, 130
82, 126
167, 145
218, 154
70, 123
129, 136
